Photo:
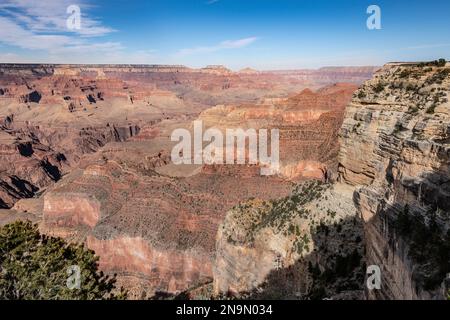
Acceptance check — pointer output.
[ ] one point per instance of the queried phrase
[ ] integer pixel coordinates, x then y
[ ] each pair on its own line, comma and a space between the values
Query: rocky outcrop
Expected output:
395, 149
34, 157
141, 267
306, 246
26, 165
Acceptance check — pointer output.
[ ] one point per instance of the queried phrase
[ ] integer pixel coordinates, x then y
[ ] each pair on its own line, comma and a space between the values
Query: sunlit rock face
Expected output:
395, 150
155, 229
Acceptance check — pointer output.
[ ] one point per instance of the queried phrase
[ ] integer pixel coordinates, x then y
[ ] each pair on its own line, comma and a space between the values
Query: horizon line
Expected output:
207, 67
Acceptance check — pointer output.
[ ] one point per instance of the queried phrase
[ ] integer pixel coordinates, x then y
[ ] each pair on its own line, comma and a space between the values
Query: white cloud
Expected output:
228, 44
51, 16
237, 43
119, 55
13, 34
40, 28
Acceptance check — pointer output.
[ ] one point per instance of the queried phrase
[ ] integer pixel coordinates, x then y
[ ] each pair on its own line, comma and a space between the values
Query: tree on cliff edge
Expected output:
38, 267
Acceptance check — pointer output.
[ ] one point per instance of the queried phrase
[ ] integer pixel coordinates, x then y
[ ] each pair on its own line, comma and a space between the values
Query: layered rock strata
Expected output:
395, 150
147, 228
308, 123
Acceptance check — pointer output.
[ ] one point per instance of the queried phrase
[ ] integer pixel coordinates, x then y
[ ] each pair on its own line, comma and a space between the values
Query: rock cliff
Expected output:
395, 150
306, 246
32, 157
155, 232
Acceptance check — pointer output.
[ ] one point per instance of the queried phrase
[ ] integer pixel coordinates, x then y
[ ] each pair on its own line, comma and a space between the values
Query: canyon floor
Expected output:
86, 153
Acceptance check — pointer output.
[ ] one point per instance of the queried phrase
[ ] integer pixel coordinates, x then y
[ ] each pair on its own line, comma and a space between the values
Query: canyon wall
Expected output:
395, 149
155, 232
308, 123
33, 157
204, 87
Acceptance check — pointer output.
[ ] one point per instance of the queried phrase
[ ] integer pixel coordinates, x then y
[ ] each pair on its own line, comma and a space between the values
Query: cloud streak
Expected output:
428, 46
224, 45
41, 26
50, 16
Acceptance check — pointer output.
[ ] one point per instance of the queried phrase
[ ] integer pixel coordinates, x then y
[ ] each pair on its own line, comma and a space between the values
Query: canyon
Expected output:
86, 153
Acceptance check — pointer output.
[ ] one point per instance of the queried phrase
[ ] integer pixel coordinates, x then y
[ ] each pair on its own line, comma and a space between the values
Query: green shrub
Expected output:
405, 73
378, 88
413, 109
438, 77
431, 109
435, 63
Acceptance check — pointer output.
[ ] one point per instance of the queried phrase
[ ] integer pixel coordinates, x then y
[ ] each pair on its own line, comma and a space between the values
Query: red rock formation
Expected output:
309, 123
33, 157
168, 270
157, 229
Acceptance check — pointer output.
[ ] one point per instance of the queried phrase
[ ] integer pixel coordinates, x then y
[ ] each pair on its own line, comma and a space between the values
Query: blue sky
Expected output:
263, 34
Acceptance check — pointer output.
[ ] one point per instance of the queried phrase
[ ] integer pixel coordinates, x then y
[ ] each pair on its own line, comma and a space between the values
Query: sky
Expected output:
261, 34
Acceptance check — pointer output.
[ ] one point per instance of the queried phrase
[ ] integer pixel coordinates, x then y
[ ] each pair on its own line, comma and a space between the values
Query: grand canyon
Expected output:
364, 163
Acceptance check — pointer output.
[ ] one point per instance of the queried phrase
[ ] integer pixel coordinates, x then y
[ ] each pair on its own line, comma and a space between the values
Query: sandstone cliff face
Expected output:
33, 157
26, 165
395, 148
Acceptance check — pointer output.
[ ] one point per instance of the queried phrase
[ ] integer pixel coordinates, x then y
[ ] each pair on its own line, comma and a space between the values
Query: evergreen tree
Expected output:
38, 267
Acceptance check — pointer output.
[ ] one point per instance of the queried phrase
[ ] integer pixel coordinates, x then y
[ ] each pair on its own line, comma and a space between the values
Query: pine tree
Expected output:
37, 267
